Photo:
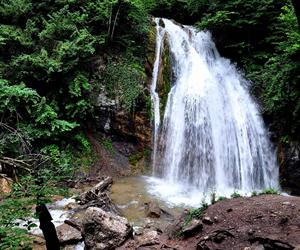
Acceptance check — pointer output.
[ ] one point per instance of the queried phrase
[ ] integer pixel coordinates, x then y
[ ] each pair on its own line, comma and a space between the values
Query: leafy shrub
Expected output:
269, 191
195, 213
235, 194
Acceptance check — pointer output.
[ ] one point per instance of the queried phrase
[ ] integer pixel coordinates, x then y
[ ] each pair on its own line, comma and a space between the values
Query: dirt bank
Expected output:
261, 222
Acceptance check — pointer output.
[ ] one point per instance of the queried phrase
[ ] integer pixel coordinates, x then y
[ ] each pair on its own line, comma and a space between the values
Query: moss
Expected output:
166, 75
151, 44
139, 161
136, 157
164, 81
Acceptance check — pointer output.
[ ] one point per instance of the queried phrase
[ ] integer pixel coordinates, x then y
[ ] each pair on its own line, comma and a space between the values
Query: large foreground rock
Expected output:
104, 230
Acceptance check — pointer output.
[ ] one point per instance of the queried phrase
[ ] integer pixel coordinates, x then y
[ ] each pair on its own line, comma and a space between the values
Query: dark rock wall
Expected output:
289, 159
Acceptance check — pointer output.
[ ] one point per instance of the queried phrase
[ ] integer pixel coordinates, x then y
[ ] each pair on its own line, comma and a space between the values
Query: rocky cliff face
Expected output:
136, 126
289, 160
164, 80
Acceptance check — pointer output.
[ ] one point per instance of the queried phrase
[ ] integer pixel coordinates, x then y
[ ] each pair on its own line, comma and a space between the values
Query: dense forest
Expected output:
57, 55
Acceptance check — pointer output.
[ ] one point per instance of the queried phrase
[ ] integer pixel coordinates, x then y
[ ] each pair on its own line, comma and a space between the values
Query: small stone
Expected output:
259, 247
68, 234
216, 219
286, 203
251, 232
207, 220
247, 248
229, 210
148, 238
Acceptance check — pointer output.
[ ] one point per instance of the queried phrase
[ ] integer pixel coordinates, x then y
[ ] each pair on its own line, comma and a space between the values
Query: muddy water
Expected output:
130, 195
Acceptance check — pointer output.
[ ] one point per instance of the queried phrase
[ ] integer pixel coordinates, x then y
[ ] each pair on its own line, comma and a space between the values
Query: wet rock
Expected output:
207, 220
153, 210
5, 185
68, 234
193, 228
148, 238
104, 230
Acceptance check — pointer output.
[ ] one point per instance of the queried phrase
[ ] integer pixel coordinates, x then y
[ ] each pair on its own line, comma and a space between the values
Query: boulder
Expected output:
194, 227
153, 210
68, 234
5, 185
148, 238
104, 230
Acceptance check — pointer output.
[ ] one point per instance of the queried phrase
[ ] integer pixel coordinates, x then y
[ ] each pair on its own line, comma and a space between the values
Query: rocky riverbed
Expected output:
259, 222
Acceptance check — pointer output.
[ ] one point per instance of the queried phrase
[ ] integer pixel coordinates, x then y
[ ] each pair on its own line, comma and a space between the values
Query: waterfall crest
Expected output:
212, 136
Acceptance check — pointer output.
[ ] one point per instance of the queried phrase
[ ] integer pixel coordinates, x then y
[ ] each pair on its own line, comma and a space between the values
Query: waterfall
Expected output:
154, 95
212, 137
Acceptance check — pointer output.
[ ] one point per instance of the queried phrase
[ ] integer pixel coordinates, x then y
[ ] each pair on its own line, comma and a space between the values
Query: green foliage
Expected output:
47, 52
254, 193
136, 157
123, 80
221, 198
108, 145
14, 238
221, 17
195, 213
269, 191
235, 194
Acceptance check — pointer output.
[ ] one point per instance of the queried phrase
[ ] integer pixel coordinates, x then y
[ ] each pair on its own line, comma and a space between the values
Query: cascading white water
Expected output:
154, 95
212, 137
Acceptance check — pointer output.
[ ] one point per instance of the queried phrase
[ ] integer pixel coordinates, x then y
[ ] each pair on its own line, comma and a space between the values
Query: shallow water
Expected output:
130, 195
